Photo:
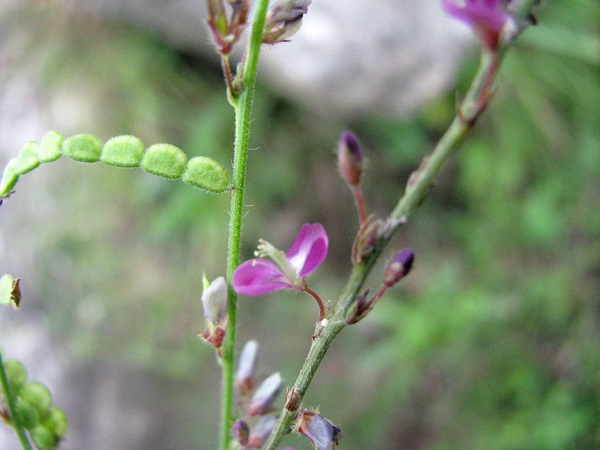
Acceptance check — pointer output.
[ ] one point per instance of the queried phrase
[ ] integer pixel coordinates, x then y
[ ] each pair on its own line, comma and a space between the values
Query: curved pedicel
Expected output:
164, 160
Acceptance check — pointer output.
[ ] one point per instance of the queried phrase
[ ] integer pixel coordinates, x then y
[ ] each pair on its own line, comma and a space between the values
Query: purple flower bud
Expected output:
264, 397
486, 17
350, 158
241, 431
261, 431
214, 301
244, 377
398, 267
283, 20
323, 434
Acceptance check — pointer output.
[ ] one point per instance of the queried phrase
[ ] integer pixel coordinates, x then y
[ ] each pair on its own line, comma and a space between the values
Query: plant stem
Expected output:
417, 189
12, 409
242, 129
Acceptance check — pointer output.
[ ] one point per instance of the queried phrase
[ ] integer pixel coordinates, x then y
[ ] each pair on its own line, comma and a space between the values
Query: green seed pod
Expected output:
10, 176
50, 146
6, 288
16, 374
38, 396
28, 414
205, 173
56, 422
122, 151
43, 437
164, 160
82, 147
28, 158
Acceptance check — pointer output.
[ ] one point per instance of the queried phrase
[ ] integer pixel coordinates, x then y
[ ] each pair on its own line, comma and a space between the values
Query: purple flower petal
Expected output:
257, 277
309, 249
487, 17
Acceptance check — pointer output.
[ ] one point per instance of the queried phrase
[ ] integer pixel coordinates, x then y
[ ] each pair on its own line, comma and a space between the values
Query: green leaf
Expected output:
28, 158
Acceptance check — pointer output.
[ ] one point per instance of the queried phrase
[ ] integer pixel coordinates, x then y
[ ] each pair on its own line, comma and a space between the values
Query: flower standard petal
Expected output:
257, 277
309, 249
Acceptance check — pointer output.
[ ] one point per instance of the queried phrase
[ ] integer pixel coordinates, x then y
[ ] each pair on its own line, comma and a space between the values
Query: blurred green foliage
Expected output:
493, 342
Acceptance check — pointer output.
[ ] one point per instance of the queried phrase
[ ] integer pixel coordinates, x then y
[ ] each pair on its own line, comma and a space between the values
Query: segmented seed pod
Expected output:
28, 158
16, 374
82, 147
164, 160
43, 437
10, 176
122, 151
50, 146
38, 396
206, 173
56, 422
28, 413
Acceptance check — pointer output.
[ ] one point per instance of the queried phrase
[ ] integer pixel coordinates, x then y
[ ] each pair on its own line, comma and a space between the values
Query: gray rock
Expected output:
351, 58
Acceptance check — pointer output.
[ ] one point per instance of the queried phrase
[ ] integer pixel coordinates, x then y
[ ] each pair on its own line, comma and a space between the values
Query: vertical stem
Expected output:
242, 128
12, 409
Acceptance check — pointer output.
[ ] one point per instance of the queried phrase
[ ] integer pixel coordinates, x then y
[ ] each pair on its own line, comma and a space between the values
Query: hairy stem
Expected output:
12, 409
417, 189
242, 129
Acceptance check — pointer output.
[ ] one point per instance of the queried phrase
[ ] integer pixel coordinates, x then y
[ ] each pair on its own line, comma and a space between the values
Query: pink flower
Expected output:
288, 271
487, 17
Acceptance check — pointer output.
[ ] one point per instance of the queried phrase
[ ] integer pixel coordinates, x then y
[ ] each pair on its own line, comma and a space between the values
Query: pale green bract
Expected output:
164, 160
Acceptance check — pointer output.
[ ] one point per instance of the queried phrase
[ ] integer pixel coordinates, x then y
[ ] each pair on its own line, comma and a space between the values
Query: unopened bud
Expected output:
214, 301
283, 20
323, 434
244, 377
350, 158
261, 431
241, 431
398, 267
264, 397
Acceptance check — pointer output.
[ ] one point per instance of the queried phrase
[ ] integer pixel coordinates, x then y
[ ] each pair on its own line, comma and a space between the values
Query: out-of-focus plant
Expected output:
495, 24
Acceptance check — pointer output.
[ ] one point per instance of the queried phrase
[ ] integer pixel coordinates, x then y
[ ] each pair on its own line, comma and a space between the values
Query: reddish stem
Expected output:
318, 300
360, 204
227, 72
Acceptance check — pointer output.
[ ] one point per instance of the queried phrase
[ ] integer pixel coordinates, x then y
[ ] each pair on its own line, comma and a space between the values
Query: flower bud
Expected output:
398, 267
262, 400
241, 431
323, 434
283, 20
350, 158
261, 431
244, 377
214, 301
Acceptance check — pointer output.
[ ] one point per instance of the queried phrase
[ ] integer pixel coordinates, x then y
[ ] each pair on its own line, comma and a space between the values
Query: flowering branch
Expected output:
417, 189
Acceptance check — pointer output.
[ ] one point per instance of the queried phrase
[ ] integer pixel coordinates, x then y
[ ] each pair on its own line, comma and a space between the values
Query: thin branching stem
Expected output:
417, 189
15, 421
243, 107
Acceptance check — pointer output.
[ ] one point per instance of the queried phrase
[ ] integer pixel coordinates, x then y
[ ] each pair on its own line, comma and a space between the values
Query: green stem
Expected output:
243, 106
12, 409
417, 189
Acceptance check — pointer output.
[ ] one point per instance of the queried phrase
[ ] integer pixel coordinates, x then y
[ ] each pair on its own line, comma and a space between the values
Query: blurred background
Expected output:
492, 342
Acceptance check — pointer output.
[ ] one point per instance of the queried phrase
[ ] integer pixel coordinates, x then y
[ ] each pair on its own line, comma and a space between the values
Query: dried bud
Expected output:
262, 400
241, 431
214, 301
365, 240
283, 20
350, 158
398, 267
292, 400
261, 431
244, 377
361, 308
323, 434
